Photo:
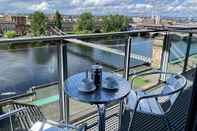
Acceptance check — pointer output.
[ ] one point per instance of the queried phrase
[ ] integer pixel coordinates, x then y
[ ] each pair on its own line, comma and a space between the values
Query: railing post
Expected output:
62, 71
191, 124
187, 52
126, 72
65, 63
127, 58
165, 55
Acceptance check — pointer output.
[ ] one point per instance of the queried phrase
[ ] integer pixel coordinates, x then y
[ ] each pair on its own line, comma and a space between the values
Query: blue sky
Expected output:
186, 8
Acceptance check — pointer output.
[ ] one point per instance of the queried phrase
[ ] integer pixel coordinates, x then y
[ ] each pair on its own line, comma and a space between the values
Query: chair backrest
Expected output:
173, 83
30, 116
7, 119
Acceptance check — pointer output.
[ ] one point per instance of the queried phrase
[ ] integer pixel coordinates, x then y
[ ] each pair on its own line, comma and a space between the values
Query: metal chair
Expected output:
149, 104
9, 116
54, 126
44, 125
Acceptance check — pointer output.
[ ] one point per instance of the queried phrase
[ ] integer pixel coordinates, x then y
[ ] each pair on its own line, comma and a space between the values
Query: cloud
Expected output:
3, 0
95, 3
40, 6
143, 6
103, 7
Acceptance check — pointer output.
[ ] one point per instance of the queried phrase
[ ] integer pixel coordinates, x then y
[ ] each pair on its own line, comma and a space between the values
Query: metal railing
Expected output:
62, 56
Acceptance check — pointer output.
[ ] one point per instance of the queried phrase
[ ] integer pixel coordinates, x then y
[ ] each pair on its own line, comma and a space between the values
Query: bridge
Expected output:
52, 30
56, 31
110, 50
166, 26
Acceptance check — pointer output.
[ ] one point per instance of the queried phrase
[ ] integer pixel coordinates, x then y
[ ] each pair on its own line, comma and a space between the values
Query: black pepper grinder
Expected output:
97, 74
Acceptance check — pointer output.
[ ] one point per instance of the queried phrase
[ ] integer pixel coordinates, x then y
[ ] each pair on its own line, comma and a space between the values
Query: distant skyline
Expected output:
171, 8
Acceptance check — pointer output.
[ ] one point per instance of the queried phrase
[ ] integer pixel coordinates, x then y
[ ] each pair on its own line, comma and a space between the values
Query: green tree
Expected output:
39, 23
58, 20
86, 23
114, 23
10, 34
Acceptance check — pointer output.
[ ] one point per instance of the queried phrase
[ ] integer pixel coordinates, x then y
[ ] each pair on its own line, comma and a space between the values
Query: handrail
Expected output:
18, 96
78, 36
155, 72
4, 103
9, 102
11, 113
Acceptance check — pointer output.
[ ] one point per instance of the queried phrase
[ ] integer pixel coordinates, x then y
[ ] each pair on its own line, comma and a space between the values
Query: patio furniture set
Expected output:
114, 88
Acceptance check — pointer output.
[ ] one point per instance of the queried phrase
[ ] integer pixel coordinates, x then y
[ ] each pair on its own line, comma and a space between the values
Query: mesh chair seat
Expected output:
151, 105
38, 126
147, 105
54, 126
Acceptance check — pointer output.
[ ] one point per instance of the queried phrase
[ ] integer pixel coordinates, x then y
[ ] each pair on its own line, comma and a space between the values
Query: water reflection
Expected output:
24, 68
42, 56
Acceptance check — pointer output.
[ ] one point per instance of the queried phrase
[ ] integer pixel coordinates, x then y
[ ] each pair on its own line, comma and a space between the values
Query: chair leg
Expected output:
132, 115
167, 123
83, 127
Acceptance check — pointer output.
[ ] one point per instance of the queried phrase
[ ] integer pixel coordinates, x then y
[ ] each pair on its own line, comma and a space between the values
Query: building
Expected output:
1, 18
19, 21
67, 22
136, 19
28, 20
7, 26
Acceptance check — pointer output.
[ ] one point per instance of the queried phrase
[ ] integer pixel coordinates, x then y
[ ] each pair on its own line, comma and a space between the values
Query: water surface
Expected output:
21, 69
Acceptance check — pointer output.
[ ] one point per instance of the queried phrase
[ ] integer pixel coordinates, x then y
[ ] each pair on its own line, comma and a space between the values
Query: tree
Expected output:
10, 34
38, 23
58, 20
114, 23
86, 23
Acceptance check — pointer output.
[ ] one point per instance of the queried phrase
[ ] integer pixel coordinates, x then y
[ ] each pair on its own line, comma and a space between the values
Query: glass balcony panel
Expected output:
142, 47
80, 59
148, 82
26, 66
192, 60
177, 52
114, 47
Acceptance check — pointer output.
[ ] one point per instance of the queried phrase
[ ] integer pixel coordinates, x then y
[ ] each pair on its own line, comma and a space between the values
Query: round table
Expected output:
101, 97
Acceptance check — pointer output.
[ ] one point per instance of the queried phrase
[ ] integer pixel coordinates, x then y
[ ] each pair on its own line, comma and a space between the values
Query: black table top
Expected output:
100, 95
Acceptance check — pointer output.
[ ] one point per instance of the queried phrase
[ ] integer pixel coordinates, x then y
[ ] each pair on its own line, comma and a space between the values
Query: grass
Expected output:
45, 101
139, 82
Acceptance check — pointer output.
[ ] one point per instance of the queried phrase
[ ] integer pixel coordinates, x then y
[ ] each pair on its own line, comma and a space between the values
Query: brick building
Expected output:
7, 26
19, 21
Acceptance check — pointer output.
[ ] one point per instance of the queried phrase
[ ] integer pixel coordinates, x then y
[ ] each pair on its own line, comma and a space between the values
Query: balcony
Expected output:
34, 70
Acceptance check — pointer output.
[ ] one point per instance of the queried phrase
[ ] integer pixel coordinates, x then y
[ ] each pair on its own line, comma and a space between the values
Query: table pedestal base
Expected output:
101, 121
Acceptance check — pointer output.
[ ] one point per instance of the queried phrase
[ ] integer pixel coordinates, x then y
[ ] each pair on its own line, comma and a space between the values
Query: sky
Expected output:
171, 8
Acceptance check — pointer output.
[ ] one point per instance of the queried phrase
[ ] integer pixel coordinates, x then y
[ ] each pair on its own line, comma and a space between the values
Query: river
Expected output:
21, 69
